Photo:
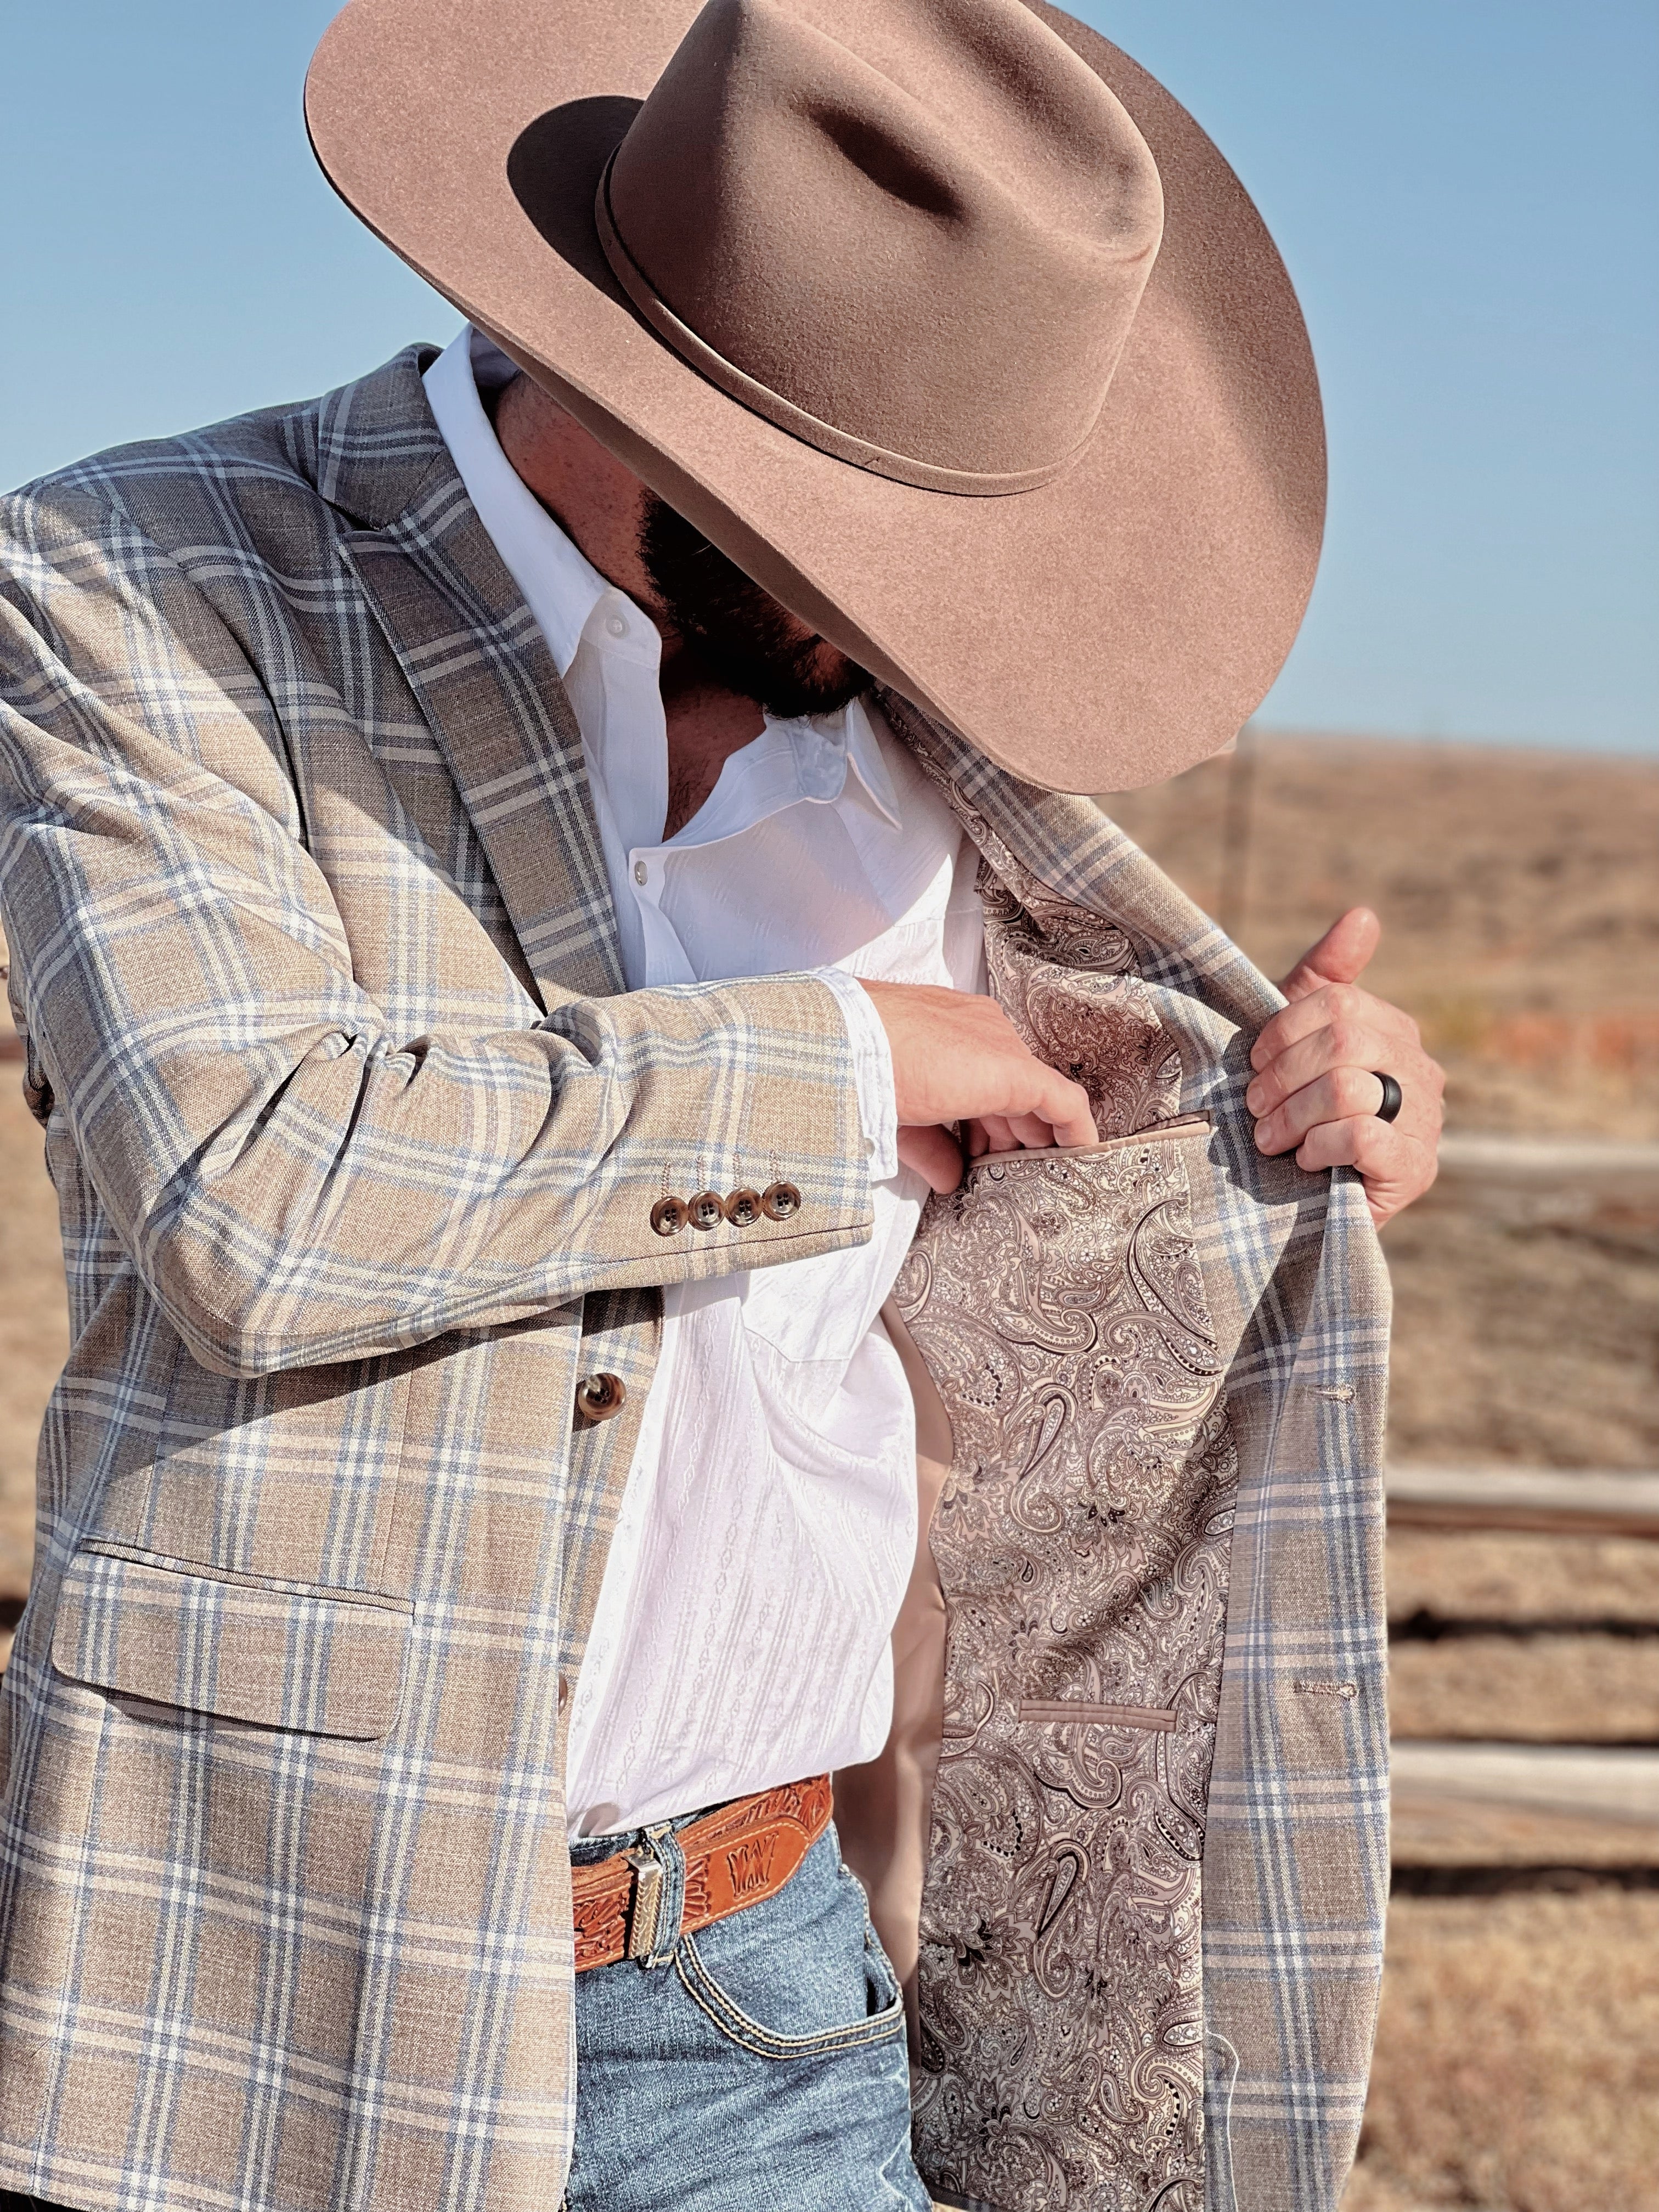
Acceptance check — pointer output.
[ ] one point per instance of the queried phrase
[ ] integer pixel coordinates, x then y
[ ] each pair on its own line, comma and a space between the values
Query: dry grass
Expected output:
1471, 1575
1538, 1344
1538, 1689
1518, 2056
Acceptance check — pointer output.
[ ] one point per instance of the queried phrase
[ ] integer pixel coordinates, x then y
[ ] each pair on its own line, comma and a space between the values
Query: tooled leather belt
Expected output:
734, 1857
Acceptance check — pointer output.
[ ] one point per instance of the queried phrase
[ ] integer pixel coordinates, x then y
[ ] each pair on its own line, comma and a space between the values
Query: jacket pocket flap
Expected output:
287, 1655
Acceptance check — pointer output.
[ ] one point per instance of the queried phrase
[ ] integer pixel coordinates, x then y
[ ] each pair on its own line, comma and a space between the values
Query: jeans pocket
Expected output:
883, 2020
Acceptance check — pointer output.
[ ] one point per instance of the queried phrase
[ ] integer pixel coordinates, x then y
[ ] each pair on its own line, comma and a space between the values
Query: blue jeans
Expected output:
757, 2067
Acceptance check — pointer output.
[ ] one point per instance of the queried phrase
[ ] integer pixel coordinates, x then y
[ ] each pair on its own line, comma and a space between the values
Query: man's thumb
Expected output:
1341, 955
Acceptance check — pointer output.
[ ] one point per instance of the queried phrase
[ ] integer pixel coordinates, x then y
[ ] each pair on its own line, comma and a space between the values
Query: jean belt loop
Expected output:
653, 1931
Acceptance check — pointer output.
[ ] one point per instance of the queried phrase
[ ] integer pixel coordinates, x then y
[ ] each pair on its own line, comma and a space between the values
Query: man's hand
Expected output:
956, 1057
1316, 1089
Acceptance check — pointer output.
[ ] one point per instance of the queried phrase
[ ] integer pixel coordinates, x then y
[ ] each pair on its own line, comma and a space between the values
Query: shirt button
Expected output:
601, 1397
616, 625
642, 873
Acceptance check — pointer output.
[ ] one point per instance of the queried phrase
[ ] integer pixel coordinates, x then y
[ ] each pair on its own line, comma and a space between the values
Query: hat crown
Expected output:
914, 231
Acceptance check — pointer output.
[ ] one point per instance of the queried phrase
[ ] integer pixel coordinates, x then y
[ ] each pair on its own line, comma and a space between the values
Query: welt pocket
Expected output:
1155, 1133
1072, 1712
295, 1656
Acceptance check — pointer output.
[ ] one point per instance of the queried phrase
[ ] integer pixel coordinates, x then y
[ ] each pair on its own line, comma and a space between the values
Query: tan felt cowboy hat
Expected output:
939, 317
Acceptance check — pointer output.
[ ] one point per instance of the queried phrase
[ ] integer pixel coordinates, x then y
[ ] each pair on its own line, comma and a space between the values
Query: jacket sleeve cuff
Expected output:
872, 1069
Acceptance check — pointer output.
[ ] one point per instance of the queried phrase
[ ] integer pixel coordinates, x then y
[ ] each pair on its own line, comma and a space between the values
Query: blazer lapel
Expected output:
1052, 844
476, 662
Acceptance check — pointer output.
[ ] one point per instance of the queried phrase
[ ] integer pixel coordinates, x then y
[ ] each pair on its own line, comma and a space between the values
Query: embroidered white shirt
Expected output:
768, 1526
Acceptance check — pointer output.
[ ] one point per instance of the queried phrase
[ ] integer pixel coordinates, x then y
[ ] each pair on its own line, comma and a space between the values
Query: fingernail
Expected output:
1256, 1098
1262, 1136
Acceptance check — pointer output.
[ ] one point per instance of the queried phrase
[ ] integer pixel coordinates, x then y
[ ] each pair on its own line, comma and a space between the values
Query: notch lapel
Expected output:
479, 666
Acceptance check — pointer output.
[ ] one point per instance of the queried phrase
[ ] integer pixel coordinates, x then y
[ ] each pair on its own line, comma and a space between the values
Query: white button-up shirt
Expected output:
768, 1526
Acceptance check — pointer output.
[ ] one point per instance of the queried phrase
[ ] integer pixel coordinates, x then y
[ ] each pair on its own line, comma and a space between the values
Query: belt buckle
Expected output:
645, 1904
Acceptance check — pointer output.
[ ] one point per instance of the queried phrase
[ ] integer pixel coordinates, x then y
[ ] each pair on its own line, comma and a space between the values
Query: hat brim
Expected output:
1106, 630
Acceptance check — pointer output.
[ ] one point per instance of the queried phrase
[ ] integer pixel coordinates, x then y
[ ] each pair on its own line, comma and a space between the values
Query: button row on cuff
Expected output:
779, 1201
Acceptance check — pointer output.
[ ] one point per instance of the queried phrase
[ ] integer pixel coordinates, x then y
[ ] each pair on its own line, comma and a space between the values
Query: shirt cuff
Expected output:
872, 1070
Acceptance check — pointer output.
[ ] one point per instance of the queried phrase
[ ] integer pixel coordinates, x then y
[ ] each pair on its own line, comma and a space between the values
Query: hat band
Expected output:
761, 400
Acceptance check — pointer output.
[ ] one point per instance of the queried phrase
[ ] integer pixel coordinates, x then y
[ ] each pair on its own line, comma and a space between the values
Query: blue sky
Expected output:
1465, 192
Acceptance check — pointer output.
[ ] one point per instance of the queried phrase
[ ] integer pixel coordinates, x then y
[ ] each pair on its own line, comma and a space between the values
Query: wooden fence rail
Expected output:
1596, 1502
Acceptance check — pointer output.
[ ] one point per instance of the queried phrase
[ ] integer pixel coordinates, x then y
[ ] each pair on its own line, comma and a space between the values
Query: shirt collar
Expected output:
867, 761
561, 585
827, 759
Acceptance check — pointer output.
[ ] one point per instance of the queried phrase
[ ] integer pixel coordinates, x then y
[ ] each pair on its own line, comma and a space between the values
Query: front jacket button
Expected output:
669, 1216
600, 1397
743, 1208
780, 1201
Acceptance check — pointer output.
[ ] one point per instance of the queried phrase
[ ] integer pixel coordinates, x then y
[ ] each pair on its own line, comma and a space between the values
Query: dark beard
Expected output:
745, 640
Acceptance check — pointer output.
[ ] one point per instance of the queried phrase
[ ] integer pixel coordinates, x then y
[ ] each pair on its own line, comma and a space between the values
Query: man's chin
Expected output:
814, 677
818, 693
744, 637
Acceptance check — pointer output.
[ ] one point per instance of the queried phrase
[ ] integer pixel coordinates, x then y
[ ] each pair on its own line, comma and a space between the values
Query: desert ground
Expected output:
1518, 2067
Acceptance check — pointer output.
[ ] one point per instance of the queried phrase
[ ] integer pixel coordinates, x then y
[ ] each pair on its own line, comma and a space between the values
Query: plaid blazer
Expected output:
356, 1137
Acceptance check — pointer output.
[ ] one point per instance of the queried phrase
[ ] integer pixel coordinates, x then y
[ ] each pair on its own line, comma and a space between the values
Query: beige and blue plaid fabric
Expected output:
355, 1139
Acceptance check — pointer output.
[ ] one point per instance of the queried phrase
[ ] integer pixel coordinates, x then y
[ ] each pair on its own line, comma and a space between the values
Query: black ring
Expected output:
1392, 1096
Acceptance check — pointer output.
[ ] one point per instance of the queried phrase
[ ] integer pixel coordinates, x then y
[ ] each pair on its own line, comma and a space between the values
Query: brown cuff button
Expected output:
601, 1397
743, 1208
780, 1201
669, 1217
707, 1210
